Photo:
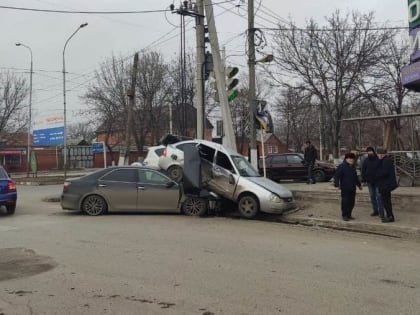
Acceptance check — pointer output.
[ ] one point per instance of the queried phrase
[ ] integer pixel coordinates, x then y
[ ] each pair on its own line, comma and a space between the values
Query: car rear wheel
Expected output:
248, 206
319, 176
94, 205
175, 173
10, 209
194, 206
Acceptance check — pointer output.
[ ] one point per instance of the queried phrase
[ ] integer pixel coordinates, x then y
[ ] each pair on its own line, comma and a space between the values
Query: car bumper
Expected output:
70, 202
8, 199
277, 207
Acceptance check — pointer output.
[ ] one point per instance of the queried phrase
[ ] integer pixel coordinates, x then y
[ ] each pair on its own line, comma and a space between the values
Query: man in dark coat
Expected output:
346, 179
369, 168
309, 156
387, 182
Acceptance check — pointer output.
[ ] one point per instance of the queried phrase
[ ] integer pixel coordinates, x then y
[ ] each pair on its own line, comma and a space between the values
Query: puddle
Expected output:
23, 262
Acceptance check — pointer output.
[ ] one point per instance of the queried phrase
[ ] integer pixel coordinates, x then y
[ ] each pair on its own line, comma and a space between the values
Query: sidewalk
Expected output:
319, 205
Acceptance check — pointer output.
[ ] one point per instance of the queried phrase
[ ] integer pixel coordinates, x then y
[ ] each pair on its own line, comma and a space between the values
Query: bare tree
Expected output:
82, 130
107, 98
330, 63
13, 92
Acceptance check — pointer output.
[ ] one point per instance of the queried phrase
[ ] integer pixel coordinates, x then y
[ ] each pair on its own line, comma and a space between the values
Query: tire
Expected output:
248, 206
10, 209
319, 176
194, 206
94, 205
175, 173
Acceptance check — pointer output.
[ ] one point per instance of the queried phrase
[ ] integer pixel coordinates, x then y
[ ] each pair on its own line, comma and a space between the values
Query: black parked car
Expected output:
292, 166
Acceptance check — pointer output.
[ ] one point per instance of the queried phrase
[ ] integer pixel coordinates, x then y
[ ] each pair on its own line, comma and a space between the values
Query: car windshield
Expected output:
244, 167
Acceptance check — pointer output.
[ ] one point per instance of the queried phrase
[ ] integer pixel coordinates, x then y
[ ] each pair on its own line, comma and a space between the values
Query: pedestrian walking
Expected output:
309, 156
387, 182
346, 180
369, 168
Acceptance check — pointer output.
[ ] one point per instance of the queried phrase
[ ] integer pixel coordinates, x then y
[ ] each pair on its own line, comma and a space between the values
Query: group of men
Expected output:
378, 172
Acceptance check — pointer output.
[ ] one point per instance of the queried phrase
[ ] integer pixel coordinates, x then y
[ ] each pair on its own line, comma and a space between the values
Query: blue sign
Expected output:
97, 147
49, 137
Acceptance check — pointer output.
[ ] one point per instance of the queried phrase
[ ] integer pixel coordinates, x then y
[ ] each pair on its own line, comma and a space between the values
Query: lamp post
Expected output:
28, 151
64, 96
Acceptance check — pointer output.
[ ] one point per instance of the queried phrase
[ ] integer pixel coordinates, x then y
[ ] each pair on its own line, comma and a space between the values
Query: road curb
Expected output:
389, 230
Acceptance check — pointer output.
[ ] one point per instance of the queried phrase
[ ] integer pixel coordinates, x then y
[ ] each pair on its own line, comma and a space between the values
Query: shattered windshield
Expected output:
244, 167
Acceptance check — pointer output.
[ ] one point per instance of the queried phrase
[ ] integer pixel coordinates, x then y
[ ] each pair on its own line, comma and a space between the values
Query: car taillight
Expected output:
66, 185
165, 152
11, 187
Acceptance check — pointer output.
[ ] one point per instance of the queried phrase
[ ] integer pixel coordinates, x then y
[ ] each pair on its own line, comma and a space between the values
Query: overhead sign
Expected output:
49, 131
413, 13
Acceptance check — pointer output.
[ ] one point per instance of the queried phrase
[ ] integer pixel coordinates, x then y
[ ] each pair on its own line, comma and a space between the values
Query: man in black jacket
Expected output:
346, 179
309, 156
369, 168
387, 182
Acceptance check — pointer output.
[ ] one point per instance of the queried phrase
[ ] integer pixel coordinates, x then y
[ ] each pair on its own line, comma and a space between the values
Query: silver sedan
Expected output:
128, 188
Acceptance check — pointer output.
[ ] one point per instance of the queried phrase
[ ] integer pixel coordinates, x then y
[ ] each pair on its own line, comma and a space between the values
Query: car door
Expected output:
157, 192
119, 187
224, 176
277, 166
295, 166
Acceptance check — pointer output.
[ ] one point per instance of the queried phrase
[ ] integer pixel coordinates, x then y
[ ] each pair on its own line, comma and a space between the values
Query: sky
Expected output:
124, 34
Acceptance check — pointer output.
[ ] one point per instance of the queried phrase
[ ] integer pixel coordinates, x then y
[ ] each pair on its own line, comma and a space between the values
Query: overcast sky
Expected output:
123, 34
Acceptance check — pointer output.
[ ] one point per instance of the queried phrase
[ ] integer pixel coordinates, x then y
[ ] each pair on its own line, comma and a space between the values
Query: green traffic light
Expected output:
233, 95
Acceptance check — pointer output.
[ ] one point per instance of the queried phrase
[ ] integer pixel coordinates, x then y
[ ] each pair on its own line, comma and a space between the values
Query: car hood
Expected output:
268, 184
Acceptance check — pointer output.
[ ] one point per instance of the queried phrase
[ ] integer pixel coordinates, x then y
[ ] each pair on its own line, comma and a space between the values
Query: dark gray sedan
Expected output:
128, 188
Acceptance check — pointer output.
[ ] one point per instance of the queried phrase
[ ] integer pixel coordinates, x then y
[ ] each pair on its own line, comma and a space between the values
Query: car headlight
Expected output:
275, 198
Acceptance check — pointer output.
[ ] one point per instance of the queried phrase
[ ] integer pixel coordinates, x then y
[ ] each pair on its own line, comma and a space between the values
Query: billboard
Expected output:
49, 131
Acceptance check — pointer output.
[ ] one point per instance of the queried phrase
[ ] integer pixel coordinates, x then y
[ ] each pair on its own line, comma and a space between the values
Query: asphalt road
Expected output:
55, 262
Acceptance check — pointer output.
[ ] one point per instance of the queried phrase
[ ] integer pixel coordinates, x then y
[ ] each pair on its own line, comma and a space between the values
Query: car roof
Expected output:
211, 144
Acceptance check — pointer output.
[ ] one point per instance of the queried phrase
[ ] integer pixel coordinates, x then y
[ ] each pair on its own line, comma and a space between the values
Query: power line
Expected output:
92, 12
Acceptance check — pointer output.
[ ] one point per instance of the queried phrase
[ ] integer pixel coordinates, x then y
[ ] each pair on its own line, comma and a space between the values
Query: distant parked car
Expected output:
128, 188
153, 155
8, 192
292, 166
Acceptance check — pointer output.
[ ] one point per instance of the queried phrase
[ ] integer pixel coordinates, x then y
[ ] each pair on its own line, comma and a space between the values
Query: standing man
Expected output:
309, 157
387, 182
346, 179
369, 168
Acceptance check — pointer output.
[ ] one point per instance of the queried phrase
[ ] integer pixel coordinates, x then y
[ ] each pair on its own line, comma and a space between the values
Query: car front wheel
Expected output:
194, 206
248, 206
94, 205
319, 176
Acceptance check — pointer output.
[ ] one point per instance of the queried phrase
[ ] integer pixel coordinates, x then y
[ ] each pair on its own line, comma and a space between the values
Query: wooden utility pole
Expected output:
252, 93
201, 125
229, 138
131, 93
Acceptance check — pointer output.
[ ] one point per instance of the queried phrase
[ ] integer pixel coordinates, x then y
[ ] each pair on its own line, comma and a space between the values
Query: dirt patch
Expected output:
22, 262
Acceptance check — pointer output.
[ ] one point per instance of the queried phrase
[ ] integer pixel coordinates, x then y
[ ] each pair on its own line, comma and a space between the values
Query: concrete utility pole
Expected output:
201, 124
229, 140
252, 93
131, 93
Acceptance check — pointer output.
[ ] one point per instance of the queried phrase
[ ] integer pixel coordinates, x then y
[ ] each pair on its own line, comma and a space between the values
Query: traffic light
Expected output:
262, 117
231, 83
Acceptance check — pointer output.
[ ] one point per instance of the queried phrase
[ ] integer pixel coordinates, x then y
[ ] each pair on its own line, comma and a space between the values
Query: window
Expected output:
273, 149
222, 160
183, 145
206, 152
128, 175
159, 151
278, 159
152, 177
294, 159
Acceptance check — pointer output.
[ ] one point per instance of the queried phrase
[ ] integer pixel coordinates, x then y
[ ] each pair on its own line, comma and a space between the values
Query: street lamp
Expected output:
28, 151
64, 95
